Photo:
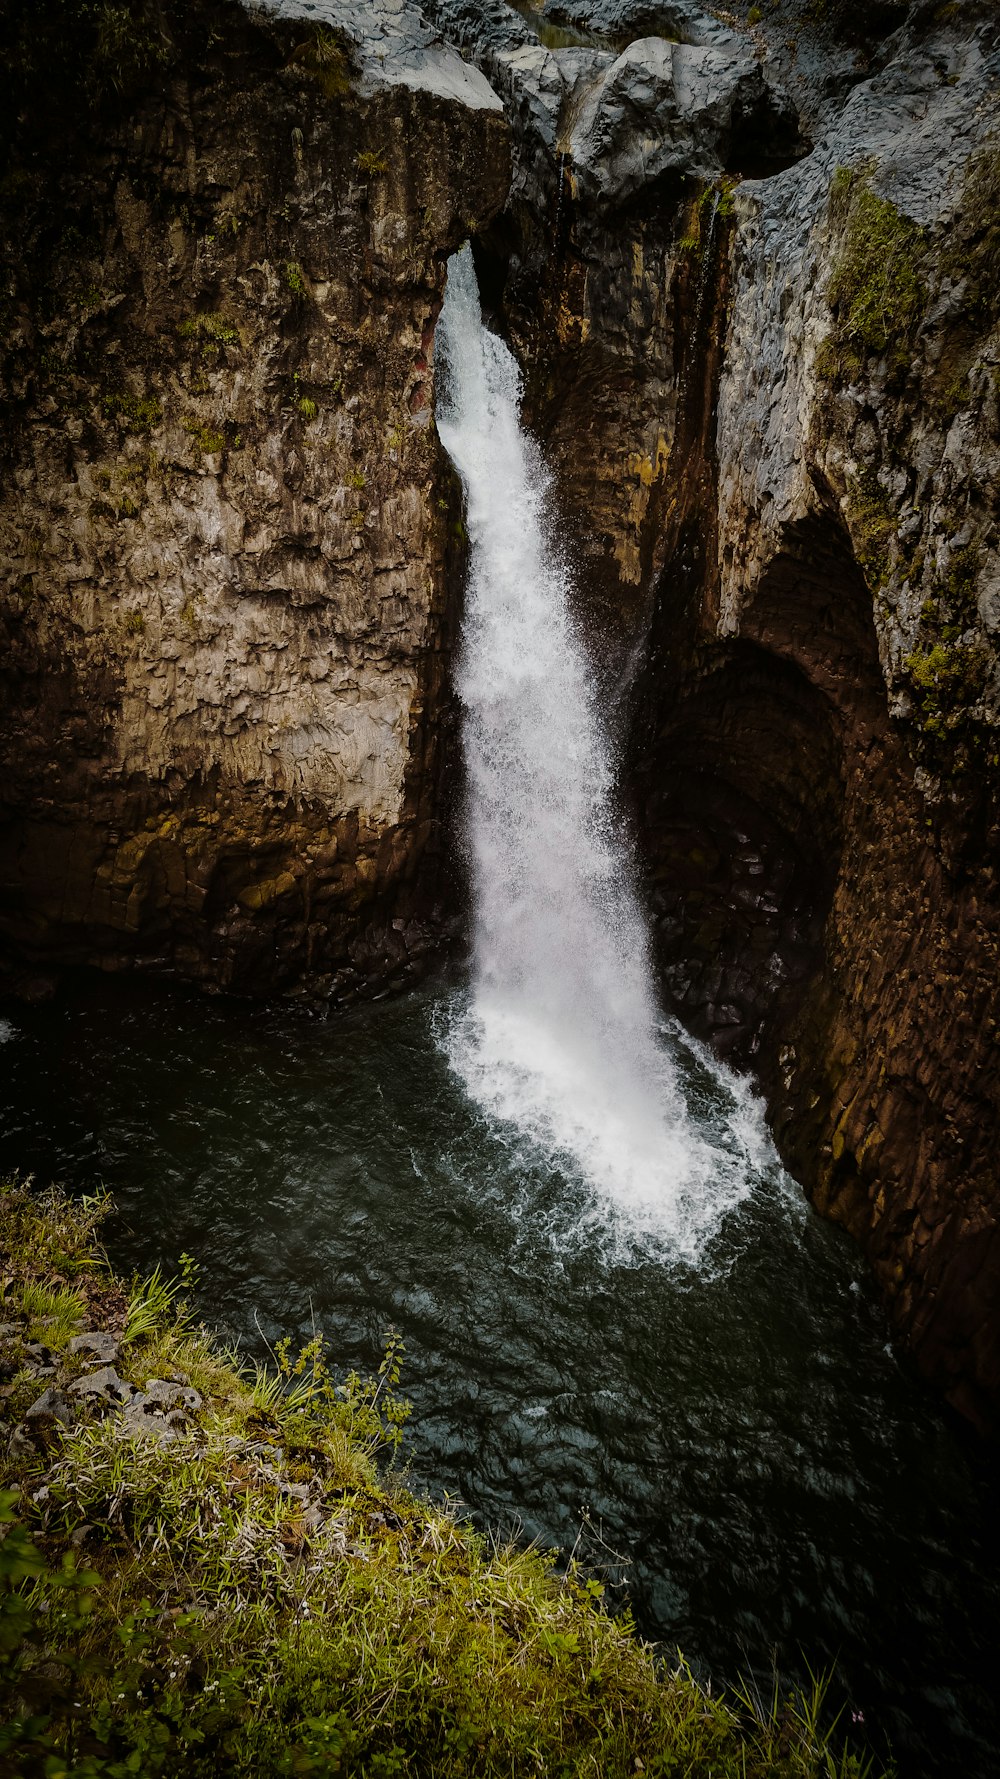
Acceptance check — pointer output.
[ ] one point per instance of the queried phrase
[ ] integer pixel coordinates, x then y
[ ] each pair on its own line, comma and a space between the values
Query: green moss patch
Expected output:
207, 439
876, 291
873, 526
137, 413
945, 680
211, 331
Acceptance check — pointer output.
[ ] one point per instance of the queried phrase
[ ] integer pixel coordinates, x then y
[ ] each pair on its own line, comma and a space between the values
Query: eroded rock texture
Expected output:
226, 524
753, 273
751, 268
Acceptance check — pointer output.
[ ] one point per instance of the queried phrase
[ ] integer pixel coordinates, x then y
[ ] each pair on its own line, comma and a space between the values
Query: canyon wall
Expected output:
750, 264
227, 528
753, 270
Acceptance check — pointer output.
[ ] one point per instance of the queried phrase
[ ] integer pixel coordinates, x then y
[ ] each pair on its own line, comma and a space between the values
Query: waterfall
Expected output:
562, 1040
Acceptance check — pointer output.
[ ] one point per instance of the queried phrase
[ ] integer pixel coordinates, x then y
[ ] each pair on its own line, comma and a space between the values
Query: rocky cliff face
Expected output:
227, 526
754, 272
859, 474
750, 263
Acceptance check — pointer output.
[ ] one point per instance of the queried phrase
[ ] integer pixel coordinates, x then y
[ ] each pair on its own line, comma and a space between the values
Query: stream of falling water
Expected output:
562, 1040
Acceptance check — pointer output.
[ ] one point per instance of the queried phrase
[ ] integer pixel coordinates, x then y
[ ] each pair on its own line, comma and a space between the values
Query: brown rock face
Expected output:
226, 525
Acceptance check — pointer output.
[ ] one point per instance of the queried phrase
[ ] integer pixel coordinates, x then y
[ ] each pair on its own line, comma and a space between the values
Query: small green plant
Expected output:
304, 403
133, 623
150, 1303
188, 1271
325, 55
369, 1407
295, 277
212, 331
136, 413
754, 16
207, 438
355, 479
129, 46
371, 163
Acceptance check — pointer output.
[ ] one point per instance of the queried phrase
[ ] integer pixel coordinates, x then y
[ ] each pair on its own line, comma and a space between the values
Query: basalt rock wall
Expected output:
229, 536
751, 268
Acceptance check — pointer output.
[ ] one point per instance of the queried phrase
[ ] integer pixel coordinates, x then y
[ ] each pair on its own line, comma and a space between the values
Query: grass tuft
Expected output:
254, 1598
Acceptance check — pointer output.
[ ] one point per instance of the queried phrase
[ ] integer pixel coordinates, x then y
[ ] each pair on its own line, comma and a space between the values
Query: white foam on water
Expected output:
562, 1039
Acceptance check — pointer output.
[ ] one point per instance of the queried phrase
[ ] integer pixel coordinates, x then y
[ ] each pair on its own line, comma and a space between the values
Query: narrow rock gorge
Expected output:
750, 264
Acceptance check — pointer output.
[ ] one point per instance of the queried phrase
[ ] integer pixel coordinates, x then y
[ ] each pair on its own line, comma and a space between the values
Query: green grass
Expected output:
326, 57
54, 1313
178, 1609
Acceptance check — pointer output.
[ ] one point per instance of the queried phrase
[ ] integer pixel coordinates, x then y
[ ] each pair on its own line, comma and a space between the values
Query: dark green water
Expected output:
765, 1477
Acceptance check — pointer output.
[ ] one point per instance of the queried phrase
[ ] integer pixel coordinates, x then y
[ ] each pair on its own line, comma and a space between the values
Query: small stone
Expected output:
296, 1491
41, 1359
145, 1419
52, 1408
162, 1394
106, 1386
100, 1346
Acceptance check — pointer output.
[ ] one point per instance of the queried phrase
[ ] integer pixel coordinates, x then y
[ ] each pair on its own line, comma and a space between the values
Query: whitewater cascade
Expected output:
562, 1039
